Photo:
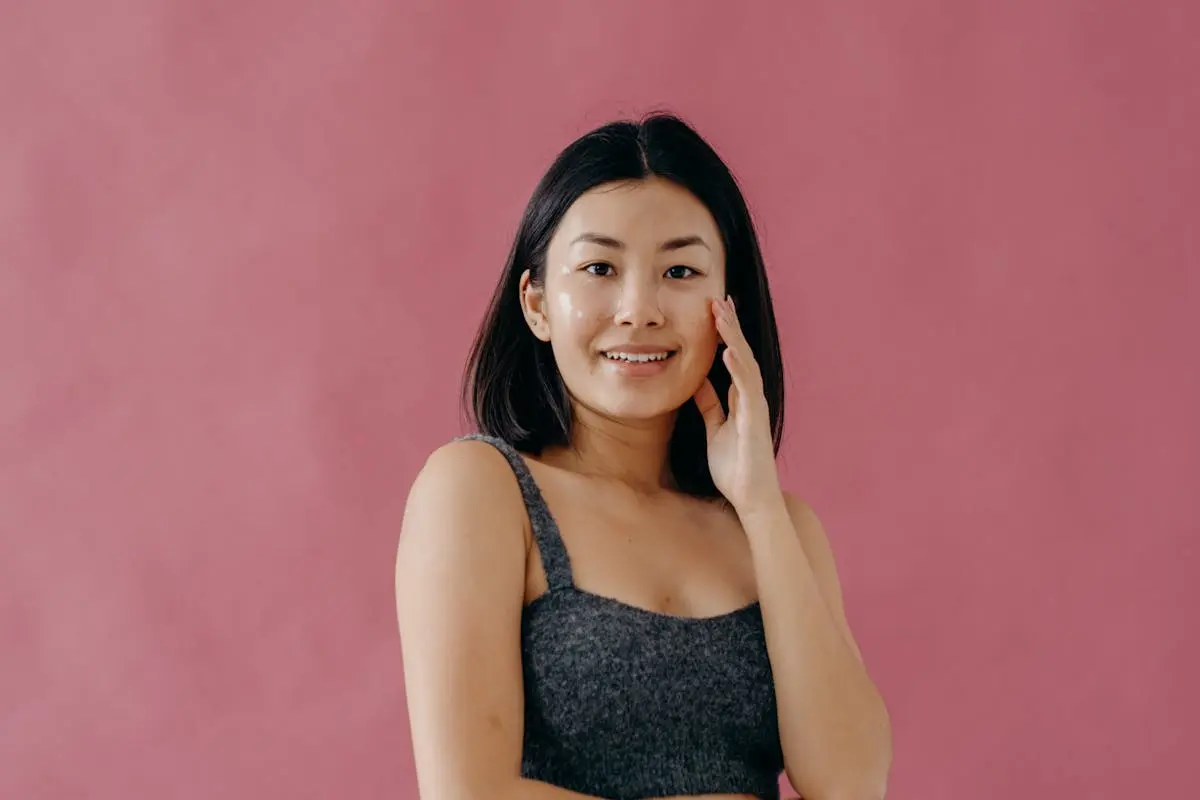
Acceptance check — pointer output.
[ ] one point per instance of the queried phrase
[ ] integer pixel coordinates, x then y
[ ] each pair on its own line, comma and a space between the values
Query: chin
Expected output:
634, 408
634, 413
634, 400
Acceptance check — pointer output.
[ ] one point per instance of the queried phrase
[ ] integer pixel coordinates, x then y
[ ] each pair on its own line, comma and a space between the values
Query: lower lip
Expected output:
639, 369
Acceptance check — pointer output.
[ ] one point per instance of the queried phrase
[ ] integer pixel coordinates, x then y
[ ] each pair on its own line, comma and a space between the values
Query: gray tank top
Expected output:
624, 702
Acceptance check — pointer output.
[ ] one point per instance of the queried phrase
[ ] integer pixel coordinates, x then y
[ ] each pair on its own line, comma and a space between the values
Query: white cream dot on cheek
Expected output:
577, 319
564, 302
567, 308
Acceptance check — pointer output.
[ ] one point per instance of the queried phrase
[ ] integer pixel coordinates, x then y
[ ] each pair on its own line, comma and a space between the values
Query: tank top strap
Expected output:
555, 560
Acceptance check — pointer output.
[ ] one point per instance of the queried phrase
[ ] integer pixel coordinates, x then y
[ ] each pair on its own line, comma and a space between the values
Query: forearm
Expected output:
833, 725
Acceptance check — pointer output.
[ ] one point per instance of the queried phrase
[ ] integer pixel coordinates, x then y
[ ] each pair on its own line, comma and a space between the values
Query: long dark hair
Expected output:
512, 388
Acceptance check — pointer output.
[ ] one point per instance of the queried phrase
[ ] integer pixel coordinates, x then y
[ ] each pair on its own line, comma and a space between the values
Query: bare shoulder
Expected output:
466, 469
461, 482
464, 536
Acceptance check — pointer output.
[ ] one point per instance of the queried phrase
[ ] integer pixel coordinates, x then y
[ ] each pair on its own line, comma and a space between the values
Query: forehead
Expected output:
640, 212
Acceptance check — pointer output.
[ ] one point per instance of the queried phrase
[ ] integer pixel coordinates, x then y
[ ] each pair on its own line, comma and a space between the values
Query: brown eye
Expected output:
598, 269
673, 271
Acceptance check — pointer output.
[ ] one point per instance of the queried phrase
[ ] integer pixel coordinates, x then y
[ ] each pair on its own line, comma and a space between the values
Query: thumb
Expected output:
710, 407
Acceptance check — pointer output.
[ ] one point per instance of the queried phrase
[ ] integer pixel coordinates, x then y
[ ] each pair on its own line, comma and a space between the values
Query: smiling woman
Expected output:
653, 217
603, 591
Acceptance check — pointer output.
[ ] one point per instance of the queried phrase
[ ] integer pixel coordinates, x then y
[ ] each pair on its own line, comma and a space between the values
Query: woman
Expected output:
605, 592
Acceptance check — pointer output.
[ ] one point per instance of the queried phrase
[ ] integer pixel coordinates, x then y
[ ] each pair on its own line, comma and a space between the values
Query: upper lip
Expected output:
638, 348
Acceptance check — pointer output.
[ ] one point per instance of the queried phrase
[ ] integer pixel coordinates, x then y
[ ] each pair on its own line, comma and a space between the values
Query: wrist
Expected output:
763, 510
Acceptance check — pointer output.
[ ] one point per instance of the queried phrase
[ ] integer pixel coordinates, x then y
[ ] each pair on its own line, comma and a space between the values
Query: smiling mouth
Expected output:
638, 358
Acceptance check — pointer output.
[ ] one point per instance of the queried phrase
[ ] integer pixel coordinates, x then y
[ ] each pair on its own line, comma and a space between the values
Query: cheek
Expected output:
575, 316
694, 321
577, 307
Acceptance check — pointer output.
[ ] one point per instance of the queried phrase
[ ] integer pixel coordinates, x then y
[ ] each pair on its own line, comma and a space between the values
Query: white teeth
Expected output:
637, 358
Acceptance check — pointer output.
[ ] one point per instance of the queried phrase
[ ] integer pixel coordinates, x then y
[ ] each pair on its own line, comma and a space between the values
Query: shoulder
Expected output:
463, 481
460, 460
467, 467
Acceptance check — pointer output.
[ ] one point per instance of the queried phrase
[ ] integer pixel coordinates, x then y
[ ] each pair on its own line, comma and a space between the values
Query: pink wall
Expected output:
243, 251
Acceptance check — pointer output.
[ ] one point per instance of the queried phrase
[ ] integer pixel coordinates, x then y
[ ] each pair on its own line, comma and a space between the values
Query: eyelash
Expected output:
588, 268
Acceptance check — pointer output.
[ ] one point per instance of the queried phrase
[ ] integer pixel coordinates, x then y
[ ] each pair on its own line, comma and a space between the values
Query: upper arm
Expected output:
820, 556
460, 587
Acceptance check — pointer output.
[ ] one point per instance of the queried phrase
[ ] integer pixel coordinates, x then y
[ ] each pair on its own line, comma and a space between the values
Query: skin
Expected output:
466, 547
598, 297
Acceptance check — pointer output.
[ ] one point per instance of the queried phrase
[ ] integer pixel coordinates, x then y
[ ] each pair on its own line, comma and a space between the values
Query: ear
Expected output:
533, 307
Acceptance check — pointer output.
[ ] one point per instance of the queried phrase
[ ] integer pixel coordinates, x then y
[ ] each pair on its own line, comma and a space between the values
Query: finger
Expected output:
710, 407
730, 330
714, 306
737, 357
737, 371
731, 333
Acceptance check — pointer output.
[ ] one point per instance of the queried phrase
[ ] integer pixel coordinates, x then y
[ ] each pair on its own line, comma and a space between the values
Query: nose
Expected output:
638, 306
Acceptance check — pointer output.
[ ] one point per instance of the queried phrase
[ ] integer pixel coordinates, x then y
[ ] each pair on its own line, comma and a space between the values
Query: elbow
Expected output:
872, 779
853, 793
875, 791
868, 784
860, 791
861, 783
872, 786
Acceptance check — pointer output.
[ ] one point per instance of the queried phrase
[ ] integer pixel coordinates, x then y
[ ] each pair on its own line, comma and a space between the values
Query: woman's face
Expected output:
626, 303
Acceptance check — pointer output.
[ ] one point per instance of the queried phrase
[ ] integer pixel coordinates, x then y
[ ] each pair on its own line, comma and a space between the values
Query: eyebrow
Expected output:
678, 243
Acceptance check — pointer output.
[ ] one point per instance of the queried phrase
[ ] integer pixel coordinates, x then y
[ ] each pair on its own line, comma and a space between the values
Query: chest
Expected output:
671, 554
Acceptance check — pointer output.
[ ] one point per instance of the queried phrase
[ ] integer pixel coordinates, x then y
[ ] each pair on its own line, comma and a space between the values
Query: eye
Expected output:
598, 268
674, 271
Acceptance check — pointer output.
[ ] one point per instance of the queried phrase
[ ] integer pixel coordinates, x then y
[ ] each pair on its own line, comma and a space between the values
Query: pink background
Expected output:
244, 247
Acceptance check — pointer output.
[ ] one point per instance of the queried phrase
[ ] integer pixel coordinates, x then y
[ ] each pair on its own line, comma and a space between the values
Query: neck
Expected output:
631, 452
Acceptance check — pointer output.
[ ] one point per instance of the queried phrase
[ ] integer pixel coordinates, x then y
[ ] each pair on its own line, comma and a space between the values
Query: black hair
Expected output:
512, 388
